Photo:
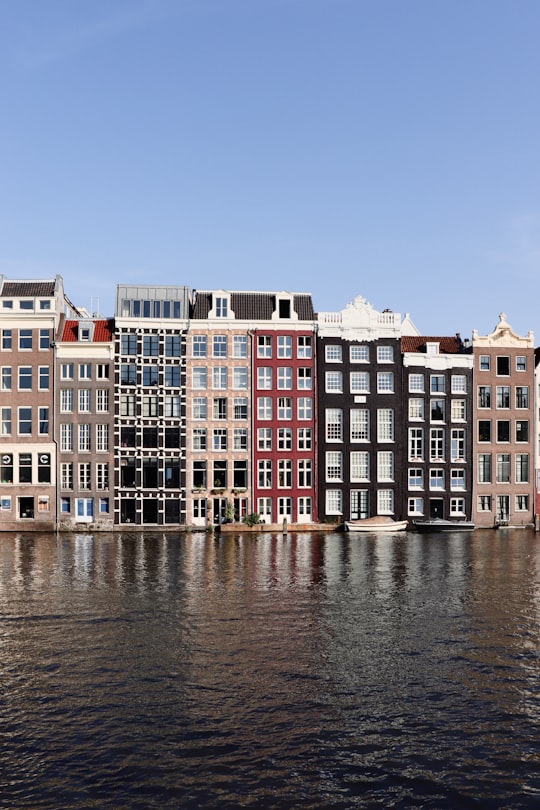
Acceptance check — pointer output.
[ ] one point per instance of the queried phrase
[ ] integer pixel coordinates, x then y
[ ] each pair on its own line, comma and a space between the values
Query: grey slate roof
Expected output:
254, 306
27, 289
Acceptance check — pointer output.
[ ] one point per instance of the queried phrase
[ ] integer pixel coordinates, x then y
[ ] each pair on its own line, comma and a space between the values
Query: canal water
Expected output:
262, 671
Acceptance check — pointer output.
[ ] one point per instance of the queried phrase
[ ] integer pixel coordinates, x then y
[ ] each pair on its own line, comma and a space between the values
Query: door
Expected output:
436, 508
85, 510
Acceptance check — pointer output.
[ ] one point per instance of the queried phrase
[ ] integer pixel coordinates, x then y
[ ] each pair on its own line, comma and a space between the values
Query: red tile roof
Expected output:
103, 331
417, 343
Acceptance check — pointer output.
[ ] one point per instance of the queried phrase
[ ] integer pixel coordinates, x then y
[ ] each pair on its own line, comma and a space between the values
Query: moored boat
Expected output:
441, 525
382, 523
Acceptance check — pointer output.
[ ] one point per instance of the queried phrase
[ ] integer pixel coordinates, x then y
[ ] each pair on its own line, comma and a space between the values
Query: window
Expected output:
200, 408
43, 378
304, 439
199, 346
44, 339
359, 381
484, 396
66, 475
219, 441
127, 405
240, 346
359, 461
220, 474
85, 371
240, 408
84, 400
334, 465
284, 377
333, 353
416, 444
25, 378
5, 425
66, 438
436, 444
305, 382
385, 465
458, 384
219, 343
264, 407
503, 396
457, 410
305, 473
85, 477
416, 478
457, 506
503, 430
84, 437
503, 468
25, 339
457, 444
522, 396
240, 378
521, 363
437, 407
150, 346
416, 382
199, 474
25, 421
264, 473
264, 346
285, 473
484, 468
102, 400
6, 378
128, 344
359, 354
67, 371
264, 378
359, 424
334, 502
304, 347
284, 408
25, 468
385, 502
219, 378
284, 346
221, 307
103, 506
522, 503
484, 430
436, 479
102, 475
240, 475
334, 424
150, 375
305, 408
503, 366
484, 503
43, 420
484, 362
438, 384
416, 408
219, 408
102, 438
7, 339
385, 382
385, 425
284, 438
522, 430
199, 378
416, 506
240, 437
522, 468
173, 346
172, 376
199, 439
457, 479
264, 439
128, 374
385, 354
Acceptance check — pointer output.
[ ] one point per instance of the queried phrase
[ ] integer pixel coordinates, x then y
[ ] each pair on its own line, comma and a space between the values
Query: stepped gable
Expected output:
447, 345
103, 331
27, 289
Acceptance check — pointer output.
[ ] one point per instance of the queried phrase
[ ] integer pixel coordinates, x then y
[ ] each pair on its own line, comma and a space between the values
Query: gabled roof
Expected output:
28, 289
103, 331
254, 306
447, 345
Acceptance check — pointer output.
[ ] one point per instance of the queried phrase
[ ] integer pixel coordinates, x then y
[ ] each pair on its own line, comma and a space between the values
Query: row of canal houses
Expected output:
191, 407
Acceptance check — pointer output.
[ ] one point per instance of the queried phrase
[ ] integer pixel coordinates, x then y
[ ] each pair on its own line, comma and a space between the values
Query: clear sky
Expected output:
383, 148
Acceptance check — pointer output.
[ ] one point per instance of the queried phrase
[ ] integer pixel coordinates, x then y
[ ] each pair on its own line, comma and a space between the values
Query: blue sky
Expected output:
384, 148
